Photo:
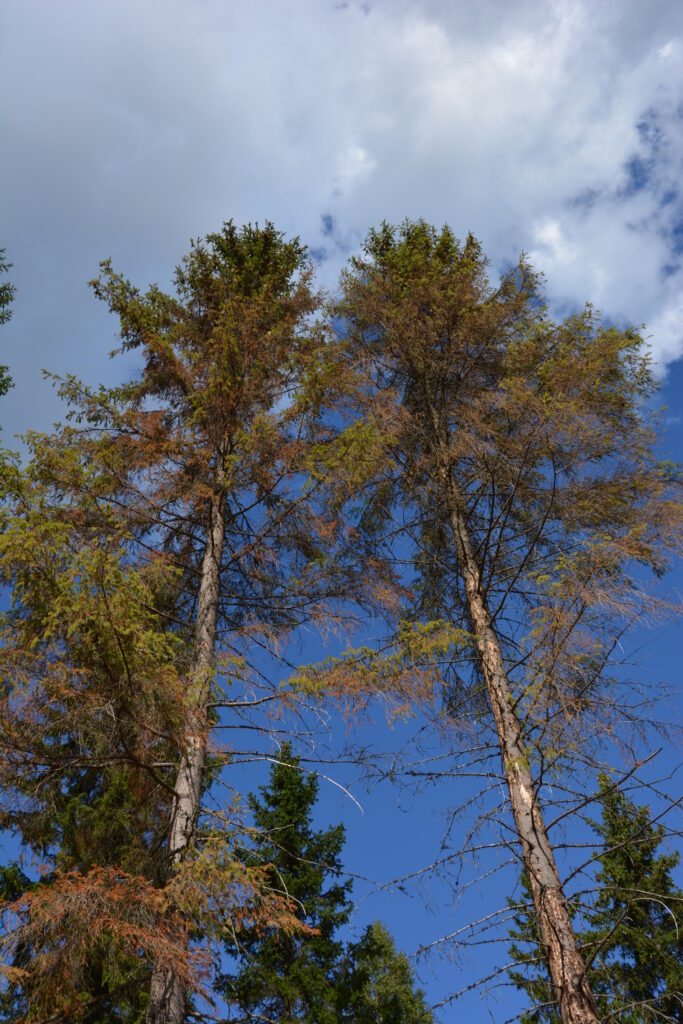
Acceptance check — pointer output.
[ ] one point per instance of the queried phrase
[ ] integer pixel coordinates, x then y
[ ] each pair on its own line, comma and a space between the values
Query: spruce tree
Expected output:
634, 942
633, 935
377, 985
309, 976
291, 977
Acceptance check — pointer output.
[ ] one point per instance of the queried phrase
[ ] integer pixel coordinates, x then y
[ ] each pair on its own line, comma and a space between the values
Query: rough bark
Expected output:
167, 989
566, 965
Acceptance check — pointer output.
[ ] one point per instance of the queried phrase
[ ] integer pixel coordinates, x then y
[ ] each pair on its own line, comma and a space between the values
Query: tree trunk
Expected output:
566, 965
167, 989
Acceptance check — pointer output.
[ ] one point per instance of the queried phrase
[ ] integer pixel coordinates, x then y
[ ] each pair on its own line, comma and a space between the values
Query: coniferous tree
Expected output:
312, 977
377, 985
292, 977
633, 935
151, 545
89, 706
635, 940
513, 455
220, 420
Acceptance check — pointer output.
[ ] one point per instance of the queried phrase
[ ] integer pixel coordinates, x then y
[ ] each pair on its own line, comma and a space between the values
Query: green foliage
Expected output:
377, 984
87, 681
288, 978
309, 977
635, 940
632, 941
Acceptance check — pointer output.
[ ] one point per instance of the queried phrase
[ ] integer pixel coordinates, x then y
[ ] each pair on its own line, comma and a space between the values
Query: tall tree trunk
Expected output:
566, 965
167, 989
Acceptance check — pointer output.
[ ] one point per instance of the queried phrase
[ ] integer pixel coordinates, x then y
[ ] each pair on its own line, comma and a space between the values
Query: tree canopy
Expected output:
519, 470
432, 450
163, 529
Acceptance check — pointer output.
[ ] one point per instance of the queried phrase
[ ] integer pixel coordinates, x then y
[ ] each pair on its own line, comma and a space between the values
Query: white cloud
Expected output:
355, 163
666, 331
553, 250
552, 126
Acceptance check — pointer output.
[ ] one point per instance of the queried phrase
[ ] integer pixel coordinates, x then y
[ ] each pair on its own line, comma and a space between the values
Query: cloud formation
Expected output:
550, 126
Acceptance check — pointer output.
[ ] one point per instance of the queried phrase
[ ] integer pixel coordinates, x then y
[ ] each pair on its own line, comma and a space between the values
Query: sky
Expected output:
553, 127
131, 126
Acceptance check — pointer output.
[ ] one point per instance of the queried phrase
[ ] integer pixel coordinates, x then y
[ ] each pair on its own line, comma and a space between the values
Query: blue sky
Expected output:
550, 127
